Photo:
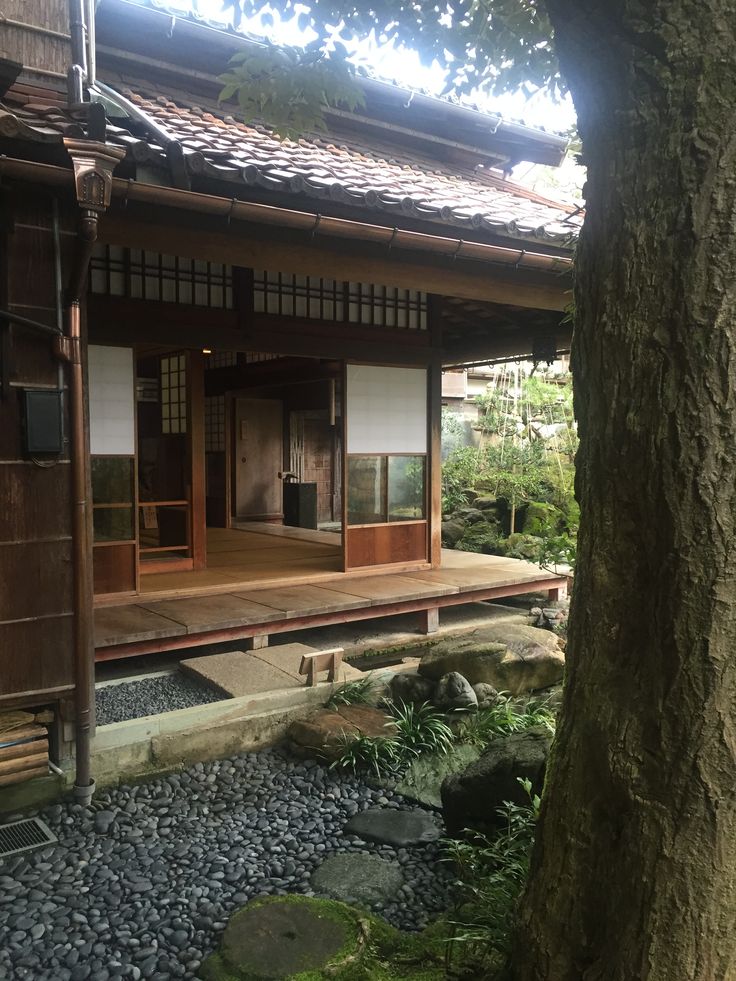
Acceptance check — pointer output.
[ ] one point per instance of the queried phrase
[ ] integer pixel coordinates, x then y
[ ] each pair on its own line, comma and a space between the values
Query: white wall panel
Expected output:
111, 400
386, 409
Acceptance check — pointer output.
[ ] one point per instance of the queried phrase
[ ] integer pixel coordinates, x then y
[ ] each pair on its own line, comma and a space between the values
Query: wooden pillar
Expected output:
195, 378
434, 443
256, 643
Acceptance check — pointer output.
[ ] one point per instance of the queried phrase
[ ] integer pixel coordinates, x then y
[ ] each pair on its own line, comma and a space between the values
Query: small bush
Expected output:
380, 754
491, 873
352, 693
421, 729
502, 719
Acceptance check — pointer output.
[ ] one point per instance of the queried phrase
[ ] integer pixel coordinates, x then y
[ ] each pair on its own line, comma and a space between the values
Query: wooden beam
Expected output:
116, 320
177, 233
508, 344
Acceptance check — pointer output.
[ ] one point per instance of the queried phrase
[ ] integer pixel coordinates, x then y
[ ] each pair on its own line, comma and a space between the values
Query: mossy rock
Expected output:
519, 546
480, 537
542, 519
299, 938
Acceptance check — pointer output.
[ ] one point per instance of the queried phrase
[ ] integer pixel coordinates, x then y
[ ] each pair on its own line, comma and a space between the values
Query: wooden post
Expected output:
429, 620
198, 501
434, 442
257, 642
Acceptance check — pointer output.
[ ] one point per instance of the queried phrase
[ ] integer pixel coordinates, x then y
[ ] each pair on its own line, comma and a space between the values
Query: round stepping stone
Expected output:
355, 878
282, 937
394, 827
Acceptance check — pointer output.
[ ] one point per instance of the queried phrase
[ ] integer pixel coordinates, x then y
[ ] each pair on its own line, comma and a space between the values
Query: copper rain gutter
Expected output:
266, 214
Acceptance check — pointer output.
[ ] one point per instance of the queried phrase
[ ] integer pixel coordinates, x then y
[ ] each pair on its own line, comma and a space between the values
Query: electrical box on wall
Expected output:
44, 427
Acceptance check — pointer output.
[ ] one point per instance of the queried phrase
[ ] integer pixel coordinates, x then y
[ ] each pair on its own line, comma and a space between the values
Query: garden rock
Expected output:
422, 781
411, 688
324, 734
279, 937
486, 694
394, 827
471, 799
356, 878
452, 531
511, 657
454, 692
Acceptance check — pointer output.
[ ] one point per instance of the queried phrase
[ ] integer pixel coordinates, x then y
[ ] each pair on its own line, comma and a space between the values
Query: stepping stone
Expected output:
362, 879
283, 937
393, 827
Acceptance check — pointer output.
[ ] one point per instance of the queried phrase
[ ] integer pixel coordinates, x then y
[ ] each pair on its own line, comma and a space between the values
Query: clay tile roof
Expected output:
359, 173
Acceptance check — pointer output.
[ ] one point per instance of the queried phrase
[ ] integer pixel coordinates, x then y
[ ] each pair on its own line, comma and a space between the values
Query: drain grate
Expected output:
24, 836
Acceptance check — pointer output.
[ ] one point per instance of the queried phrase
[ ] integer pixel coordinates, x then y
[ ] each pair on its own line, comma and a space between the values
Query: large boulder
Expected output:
511, 657
325, 733
422, 780
472, 797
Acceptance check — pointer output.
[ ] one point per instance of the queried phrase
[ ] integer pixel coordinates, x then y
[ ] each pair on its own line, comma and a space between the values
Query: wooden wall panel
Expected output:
114, 569
385, 544
36, 655
33, 500
37, 579
36, 576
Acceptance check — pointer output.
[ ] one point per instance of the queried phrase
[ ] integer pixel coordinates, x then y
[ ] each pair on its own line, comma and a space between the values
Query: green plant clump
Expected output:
490, 876
352, 693
502, 719
421, 728
417, 730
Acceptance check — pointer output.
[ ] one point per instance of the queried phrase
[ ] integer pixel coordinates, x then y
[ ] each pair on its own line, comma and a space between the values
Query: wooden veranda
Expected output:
253, 611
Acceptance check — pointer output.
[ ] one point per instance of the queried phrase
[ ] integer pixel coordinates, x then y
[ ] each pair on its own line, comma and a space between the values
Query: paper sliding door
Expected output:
386, 466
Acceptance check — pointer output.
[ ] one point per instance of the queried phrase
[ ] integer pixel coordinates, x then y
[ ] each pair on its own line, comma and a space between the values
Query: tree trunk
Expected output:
634, 870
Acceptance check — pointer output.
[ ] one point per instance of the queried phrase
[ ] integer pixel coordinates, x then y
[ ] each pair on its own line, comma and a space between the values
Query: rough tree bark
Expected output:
634, 871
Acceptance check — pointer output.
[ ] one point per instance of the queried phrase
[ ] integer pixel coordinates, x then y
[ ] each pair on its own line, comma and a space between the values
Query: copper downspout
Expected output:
93, 165
233, 209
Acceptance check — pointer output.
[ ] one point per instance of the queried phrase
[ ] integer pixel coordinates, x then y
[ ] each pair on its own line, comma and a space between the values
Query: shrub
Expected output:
491, 873
421, 728
503, 718
352, 693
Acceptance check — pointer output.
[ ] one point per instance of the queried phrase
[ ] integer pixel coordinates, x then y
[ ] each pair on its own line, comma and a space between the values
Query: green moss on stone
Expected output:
369, 950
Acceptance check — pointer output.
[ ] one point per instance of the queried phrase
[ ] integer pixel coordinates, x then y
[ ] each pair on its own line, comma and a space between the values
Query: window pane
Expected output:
366, 490
112, 479
406, 488
113, 524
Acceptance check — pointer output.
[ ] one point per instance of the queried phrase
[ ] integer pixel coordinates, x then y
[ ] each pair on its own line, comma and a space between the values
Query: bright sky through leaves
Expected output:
403, 67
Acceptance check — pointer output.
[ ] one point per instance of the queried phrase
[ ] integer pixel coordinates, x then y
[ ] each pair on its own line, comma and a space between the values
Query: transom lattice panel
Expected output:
214, 423
316, 298
142, 275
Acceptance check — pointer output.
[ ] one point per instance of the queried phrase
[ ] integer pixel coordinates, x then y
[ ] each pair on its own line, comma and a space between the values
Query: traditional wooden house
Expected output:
221, 357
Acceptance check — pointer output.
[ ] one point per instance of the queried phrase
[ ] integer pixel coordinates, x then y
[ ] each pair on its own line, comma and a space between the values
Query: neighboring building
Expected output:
253, 308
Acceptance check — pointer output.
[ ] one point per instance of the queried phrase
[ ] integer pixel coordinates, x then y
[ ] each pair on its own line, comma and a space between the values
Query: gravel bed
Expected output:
141, 884
150, 696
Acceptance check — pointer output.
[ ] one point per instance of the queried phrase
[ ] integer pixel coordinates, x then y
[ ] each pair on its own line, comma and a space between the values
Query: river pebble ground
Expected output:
141, 885
150, 696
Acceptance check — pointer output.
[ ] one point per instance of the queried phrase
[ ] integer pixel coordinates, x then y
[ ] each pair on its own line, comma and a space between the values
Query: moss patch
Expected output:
305, 939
